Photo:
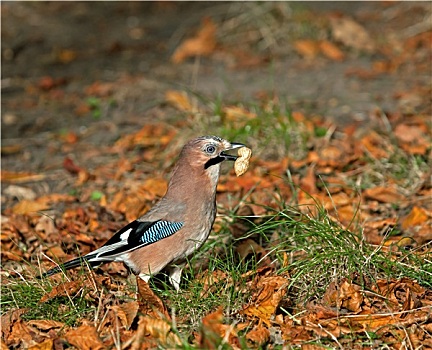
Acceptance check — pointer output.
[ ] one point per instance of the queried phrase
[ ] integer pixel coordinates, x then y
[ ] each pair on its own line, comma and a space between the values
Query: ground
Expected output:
332, 97
78, 44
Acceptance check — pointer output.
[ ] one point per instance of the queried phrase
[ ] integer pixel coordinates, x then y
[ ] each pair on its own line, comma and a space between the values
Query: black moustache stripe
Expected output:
213, 161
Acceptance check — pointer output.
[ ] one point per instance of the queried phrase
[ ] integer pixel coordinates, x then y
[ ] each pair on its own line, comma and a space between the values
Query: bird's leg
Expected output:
174, 275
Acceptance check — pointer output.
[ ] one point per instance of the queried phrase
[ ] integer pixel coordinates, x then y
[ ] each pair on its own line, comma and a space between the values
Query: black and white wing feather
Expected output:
135, 235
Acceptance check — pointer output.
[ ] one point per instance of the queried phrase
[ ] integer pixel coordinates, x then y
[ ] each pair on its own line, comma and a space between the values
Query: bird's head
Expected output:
199, 162
207, 152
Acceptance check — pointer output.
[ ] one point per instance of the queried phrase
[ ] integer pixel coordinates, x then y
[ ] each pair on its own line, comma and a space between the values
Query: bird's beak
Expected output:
232, 146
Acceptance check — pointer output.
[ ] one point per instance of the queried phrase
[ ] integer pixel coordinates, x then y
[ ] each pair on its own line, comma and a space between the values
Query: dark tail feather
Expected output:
70, 265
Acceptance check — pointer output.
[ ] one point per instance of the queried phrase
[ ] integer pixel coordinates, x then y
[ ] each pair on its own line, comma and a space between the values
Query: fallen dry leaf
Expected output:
383, 194
71, 288
331, 155
126, 313
132, 206
423, 233
202, 44
42, 203
45, 324
20, 334
243, 221
213, 331
124, 166
266, 299
297, 335
382, 223
237, 113
71, 167
408, 133
155, 187
63, 289
331, 51
417, 216
19, 177
150, 135
180, 100
29, 207
351, 296
307, 48
45, 345
376, 145
311, 204
398, 290
346, 295
237, 58
308, 182
412, 138
249, 246
8, 319
382, 322
258, 335
84, 337
46, 225
375, 231
346, 214
153, 332
210, 334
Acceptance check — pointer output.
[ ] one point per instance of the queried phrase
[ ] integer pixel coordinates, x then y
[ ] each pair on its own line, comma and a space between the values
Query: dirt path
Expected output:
53, 52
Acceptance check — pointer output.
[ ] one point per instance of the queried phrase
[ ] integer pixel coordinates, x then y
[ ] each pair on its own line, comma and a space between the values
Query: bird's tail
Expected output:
70, 265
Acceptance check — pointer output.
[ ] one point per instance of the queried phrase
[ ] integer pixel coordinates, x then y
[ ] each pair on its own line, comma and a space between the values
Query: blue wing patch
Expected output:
160, 230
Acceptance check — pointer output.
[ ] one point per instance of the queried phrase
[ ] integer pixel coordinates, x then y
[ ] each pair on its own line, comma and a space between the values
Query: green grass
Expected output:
26, 294
405, 169
323, 251
272, 134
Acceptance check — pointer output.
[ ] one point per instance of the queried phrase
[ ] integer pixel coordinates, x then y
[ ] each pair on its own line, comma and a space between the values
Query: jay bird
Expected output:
177, 225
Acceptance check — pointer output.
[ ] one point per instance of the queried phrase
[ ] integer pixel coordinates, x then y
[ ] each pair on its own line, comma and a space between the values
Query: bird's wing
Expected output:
133, 236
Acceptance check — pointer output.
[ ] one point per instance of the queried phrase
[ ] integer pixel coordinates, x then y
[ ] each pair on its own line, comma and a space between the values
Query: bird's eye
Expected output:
210, 149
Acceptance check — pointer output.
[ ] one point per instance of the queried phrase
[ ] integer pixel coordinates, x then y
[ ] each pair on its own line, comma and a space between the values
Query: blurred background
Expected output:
343, 60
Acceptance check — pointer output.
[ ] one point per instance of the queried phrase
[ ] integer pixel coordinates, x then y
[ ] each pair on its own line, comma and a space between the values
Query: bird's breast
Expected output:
198, 230
195, 241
